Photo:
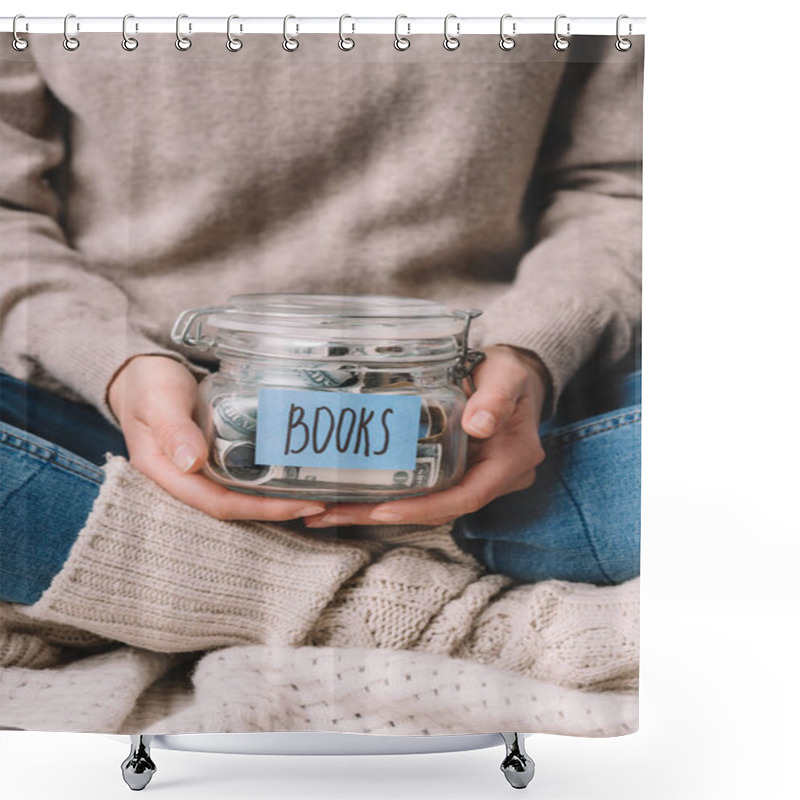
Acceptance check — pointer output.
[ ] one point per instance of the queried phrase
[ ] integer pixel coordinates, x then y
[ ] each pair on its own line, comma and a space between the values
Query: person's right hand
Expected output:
153, 398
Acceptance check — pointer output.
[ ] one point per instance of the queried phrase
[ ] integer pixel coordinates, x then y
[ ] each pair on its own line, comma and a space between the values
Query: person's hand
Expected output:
503, 418
153, 398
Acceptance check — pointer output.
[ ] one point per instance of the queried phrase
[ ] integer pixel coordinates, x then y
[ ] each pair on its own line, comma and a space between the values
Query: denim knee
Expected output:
45, 497
580, 521
76, 427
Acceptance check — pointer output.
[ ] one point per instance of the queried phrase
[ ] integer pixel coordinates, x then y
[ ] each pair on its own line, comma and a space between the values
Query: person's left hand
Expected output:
503, 418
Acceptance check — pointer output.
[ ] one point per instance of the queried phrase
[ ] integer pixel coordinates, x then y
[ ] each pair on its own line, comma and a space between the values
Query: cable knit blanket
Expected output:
394, 632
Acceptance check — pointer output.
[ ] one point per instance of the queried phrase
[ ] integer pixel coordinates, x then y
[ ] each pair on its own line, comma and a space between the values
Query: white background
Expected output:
719, 695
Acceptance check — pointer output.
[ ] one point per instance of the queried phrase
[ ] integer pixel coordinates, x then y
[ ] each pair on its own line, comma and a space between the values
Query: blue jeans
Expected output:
579, 522
51, 451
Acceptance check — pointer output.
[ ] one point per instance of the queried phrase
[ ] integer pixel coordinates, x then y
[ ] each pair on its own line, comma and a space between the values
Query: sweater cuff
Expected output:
154, 573
553, 335
85, 356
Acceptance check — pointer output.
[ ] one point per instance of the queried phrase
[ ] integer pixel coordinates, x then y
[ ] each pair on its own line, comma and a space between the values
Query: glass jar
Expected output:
333, 397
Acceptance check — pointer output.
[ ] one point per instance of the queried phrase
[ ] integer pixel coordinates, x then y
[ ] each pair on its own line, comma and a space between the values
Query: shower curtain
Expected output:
137, 181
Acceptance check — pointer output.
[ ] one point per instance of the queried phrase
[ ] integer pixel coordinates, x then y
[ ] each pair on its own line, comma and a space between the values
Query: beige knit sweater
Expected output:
135, 185
166, 620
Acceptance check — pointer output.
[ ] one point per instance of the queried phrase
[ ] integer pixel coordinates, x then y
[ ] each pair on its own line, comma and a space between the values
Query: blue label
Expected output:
304, 428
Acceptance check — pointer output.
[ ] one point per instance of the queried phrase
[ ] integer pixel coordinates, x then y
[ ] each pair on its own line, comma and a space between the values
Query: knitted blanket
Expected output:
254, 689
164, 620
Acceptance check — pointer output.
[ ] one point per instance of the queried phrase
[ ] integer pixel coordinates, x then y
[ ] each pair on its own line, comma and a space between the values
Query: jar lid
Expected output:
337, 316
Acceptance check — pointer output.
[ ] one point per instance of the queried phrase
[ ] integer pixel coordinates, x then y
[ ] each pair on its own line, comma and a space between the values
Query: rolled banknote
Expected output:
236, 462
235, 416
327, 376
433, 421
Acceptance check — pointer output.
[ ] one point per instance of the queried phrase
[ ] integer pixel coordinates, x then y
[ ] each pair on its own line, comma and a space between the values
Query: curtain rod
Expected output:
582, 26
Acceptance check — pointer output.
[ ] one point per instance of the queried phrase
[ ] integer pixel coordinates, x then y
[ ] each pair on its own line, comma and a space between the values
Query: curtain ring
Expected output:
623, 45
451, 42
290, 44
345, 42
233, 44
18, 43
181, 42
70, 42
401, 42
507, 42
560, 42
129, 43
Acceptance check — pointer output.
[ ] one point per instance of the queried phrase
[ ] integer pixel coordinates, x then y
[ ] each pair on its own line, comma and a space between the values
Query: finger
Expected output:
168, 415
500, 382
481, 484
342, 514
338, 516
515, 457
518, 444
202, 493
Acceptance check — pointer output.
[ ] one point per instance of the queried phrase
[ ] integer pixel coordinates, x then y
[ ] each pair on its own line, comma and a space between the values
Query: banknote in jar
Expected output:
325, 376
235, 417
235, 461
424, 474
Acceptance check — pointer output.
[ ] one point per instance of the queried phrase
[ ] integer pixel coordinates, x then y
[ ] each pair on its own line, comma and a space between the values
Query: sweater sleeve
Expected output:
63, 324
577, 292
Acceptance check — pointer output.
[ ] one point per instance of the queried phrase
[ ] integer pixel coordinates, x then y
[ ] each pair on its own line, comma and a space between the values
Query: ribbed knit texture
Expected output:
508, 182
34, 643
150, 571
161, 578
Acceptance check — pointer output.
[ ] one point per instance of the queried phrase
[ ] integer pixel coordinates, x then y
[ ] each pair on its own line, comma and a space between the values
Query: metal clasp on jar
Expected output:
469, 358
188, 328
